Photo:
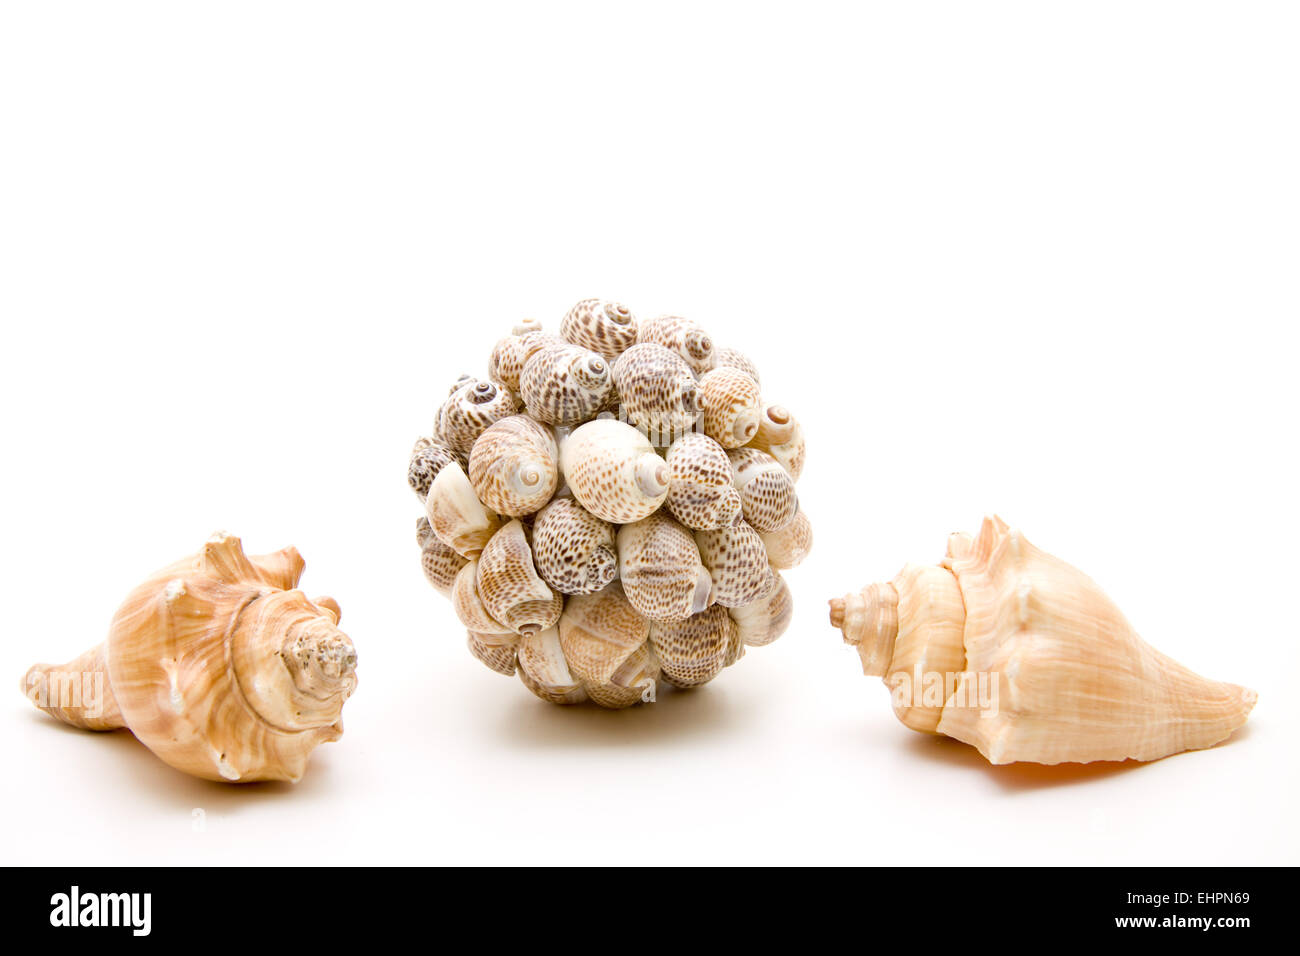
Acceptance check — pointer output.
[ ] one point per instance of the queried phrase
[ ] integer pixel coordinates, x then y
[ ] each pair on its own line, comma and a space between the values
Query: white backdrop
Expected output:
1024, 258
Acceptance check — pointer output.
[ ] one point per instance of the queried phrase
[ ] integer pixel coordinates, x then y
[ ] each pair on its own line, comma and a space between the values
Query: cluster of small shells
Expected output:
611, 505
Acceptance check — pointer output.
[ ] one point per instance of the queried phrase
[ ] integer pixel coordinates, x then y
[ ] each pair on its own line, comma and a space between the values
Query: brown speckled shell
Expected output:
498, 656
732, 406
440, 563
599, 632
763, 621
508, 583
573, 549
468, 603
733, 358
613, 471
511, 354
737, 563
606, 328
787, 547
694, 651
701, 492
427, 459
682, 336
472, 406
564, 384
514, 466
657, 392
659, 565
767, 496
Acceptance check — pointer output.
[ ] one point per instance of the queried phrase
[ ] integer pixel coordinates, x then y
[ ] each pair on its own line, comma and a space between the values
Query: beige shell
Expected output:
683, 337
694, 651
544, 671
456, 514
659, 565
732, 407
441, 564
216, 663
657, 392
427, 459
468, 604
763, 621
1022, 656
613, 471
701, 492
565, 384
509, 586
606, 328
737, 563
788, 547
472, 406
497, 654
603, 639
573, 549
511, 354
767, 496
732, 358
514, 466
780, 435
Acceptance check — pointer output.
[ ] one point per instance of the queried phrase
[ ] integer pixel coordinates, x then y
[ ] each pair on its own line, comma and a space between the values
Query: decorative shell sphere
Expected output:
218, 664
610, 506
1017, 653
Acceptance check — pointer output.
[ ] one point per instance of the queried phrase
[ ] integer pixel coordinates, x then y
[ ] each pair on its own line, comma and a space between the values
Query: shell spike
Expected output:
223, 557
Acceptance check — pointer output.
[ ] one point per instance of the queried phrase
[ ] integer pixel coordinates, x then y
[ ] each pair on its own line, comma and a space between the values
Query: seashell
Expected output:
511, 354
472, 406
441, 564
565, 384
218, 664
659, 565
509, 586
767, 496
497, 654
427, 459
613, 471
633, 683
1022, 656
657, 392
694, 651
763, 621
701, 492
682, 336
543, 670
456, 514
606, 328
514, 466
780, 435
737, 563
468, 603
788, 546
731, 358
573, 549
732, 407
603, 639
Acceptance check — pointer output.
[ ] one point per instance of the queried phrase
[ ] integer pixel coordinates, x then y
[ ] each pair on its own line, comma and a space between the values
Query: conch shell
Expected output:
1017, 653
216, 663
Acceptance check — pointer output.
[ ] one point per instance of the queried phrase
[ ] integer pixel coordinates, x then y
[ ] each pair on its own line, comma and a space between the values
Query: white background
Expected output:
1026, 258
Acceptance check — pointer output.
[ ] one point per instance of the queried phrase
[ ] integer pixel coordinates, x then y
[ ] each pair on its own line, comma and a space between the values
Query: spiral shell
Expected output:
787, 547
511, 354
427, 459
472, 406
737, 564
701, 491
732, 407
606, 328
509, 586
763, 621
693, 651
659, 565
218, 664
565, 384
732, 358
441, 564
767, 496
599, 633
683, 337
456, 515
573, 549
468, 603
613, 471
657, 392
780, 435
514, 466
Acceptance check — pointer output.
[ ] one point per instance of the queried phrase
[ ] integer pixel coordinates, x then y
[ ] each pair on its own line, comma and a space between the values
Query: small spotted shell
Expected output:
694, 651
427, 458
499, 655
509, 585
767, 496
659, 565
633, 683
599, 632
732, 358
456, 514
613, 471
763, 621
544, 671
603, 327
574, 550
682, 336
701, 492
780, 435
440, 563
732, 406
737, 563
472, 406
468, 603
514, 466
787, 547
565, 384
657, 392
511, 354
